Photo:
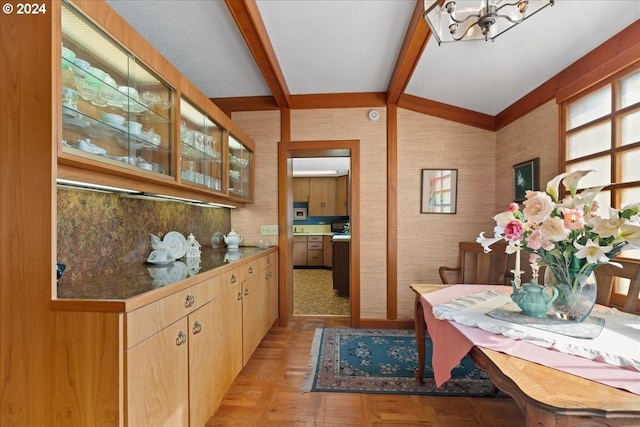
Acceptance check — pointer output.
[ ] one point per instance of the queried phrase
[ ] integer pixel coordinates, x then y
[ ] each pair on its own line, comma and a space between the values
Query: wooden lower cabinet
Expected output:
299, 250
157, 379
226, 353
203, 374
254, 315
166, 363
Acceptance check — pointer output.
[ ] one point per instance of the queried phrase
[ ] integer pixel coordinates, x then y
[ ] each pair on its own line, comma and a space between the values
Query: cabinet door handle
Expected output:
182, 338
197, 327
234, 279
246, 292
268, 260
250, 270
189, 300
239, 295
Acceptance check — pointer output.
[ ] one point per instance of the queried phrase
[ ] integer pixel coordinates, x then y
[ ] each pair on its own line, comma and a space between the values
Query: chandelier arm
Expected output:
515, 3
457, 21
513, 21
465, 33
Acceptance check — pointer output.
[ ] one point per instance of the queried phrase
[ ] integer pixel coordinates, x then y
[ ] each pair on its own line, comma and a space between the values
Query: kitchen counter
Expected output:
337, 237
129, 287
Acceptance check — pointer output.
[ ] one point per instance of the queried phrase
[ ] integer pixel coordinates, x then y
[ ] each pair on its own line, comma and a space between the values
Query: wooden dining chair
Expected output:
612, 279
476, 266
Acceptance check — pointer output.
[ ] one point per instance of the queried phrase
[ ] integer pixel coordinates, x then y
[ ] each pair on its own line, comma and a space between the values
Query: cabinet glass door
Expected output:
114, 108
200, 145
240, 167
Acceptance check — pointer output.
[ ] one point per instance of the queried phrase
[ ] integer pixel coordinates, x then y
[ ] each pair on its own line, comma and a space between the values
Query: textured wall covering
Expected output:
353, 124
534, 135
264, 128
427, 241
100, 233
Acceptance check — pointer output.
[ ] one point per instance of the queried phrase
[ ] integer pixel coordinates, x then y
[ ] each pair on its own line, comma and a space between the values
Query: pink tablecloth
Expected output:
452, 341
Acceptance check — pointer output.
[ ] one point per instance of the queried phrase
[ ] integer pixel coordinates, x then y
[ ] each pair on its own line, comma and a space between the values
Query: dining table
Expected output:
555, 385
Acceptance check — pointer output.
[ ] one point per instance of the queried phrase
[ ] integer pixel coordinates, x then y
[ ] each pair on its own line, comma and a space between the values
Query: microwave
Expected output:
338, 226
299, 214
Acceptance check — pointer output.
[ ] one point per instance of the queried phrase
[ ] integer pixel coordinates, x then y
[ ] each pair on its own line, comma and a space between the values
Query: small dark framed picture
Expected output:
526, 176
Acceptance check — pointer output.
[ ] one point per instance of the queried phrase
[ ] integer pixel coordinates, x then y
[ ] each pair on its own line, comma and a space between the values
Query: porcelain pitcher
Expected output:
533, 299
232, 239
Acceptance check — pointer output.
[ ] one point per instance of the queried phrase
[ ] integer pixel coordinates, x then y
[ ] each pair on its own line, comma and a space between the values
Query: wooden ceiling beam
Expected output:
415, 40
448, 112
251, 26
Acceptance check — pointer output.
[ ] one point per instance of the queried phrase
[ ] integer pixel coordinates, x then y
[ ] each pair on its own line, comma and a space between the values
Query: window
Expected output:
601, 132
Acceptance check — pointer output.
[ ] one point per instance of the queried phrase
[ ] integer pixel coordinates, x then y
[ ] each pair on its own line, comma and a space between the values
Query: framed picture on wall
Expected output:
526, 176
439, 190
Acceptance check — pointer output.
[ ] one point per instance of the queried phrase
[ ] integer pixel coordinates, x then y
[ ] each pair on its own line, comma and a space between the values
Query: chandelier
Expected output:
451, 20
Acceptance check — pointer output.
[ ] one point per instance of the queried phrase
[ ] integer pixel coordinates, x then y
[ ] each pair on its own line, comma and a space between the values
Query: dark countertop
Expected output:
136, 279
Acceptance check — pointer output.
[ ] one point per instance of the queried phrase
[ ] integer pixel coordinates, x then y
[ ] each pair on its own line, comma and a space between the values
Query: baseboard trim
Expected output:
386, 324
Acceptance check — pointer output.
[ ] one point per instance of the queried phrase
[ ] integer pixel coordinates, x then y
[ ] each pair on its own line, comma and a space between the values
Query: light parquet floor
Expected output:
267, 393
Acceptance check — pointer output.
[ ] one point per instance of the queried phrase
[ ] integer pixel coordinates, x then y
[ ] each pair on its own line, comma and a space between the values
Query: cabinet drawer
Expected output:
314, 245
314, 238
146, 321
268, 261
299, 239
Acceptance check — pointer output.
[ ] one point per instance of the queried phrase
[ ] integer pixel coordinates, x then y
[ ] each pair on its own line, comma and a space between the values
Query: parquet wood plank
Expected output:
267, 393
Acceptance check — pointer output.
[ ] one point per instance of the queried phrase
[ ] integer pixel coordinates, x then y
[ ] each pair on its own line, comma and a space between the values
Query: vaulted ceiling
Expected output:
267, 54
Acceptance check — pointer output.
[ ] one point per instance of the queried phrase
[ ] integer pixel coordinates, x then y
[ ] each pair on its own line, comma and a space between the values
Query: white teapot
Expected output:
232, 239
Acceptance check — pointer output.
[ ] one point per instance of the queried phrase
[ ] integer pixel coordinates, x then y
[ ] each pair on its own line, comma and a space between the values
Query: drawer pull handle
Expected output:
189, 300
197, 327
239, 295
250, 270
234, 279
182, 338
246, 292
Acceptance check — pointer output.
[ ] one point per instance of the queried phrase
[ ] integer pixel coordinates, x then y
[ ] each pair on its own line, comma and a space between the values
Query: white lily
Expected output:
488, 241
552, 186
592, 252
630, 233
571, 181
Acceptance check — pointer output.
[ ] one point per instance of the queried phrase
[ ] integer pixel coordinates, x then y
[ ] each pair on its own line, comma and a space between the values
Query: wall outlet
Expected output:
269, 230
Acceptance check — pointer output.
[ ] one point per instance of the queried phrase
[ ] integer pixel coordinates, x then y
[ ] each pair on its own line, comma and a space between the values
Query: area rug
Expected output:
384, 361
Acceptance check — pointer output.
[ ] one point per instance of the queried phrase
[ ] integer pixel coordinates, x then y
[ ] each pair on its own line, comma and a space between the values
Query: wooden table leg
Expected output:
420, 327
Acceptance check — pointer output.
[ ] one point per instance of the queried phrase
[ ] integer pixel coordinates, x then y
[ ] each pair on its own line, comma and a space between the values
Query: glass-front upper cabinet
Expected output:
114, 108
200, 148
240, 169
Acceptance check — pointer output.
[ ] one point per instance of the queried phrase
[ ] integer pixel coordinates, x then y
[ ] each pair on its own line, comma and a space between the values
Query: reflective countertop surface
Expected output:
135, 279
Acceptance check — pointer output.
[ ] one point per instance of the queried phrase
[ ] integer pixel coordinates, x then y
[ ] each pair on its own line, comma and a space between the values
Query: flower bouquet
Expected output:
568, 238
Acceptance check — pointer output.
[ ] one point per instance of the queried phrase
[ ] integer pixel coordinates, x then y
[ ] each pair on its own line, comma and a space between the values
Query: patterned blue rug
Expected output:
384, 361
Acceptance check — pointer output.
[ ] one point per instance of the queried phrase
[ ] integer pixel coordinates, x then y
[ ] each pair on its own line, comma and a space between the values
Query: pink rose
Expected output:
537, 207
535, 240
513, 230
573, 219
513, 206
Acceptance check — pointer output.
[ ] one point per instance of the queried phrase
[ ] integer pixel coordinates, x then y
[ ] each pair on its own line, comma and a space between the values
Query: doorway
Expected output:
320, 214
288, 151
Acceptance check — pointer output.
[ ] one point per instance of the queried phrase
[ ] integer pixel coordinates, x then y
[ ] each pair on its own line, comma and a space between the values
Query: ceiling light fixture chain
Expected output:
488, 21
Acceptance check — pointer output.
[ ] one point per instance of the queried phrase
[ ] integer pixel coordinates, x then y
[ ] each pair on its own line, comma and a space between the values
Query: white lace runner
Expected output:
617, 344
